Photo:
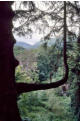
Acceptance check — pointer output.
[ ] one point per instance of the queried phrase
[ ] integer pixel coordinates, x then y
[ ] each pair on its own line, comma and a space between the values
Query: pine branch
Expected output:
24, 87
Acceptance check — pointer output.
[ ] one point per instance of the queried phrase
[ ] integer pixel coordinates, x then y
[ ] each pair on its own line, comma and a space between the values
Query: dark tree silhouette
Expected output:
8, 93
9, 89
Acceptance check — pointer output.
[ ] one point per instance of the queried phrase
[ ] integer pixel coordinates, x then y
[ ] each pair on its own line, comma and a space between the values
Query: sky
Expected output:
35, 38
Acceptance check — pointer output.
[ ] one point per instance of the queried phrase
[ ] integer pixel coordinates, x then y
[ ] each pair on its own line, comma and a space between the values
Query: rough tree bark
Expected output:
8, 87
8, 94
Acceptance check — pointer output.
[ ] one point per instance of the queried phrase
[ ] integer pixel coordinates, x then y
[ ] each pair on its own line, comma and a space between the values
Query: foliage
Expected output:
42, 105
48, 21
45, 105
51, 105
27, 59
74, 75
18, 50
50, 60
21, 75
43, 65
34, 76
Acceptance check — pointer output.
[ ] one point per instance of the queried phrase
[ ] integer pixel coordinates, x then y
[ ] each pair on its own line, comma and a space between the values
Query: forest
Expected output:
40, 83
49, 105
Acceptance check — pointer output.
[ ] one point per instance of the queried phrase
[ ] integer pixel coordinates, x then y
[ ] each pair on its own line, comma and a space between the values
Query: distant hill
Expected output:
27, 46
24, 45
38, 44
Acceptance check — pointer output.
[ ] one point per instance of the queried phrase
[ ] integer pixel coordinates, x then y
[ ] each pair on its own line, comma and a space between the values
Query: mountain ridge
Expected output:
36, 45
27, 46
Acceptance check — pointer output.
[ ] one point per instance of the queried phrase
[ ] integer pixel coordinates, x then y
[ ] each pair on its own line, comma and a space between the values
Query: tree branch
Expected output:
74, 7
24, 87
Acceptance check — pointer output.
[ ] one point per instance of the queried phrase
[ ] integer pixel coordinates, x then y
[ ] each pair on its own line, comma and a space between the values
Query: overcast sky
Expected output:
35, 38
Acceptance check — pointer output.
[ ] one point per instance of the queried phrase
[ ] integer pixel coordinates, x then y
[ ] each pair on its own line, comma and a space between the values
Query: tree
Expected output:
49, 60
73, 16
9, 89
43, 65
75, 69
8, 94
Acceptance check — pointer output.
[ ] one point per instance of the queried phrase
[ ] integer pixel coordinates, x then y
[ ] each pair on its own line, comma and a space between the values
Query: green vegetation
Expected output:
53, 104
50, 60
45, 105
74, 79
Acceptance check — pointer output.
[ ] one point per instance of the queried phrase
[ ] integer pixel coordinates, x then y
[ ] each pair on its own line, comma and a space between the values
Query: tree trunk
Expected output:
8, 95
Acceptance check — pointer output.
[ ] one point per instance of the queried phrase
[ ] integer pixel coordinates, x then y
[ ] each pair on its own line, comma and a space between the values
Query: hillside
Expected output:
27, 58
42, 105
27, 46
36, 45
